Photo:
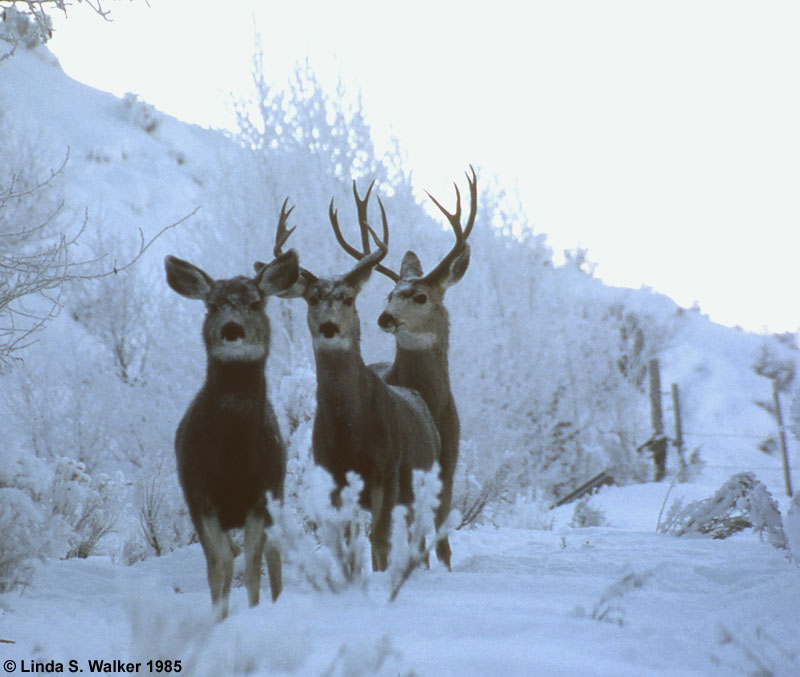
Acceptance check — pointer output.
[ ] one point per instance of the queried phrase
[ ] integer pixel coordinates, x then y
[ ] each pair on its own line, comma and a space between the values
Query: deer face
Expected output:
332, 316
415, 311
236, 327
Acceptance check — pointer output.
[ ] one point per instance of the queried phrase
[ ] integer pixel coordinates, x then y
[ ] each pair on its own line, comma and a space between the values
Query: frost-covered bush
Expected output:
413, 531
369, 657
140, 113
28, 529
325, 543
584, 515
23, 28
528, 510
163, 516
791, 527
90, 504
28, 533
741, 503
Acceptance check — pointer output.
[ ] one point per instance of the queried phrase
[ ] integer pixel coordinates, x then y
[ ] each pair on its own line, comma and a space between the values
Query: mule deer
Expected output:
228, 445
362, 424
417, 317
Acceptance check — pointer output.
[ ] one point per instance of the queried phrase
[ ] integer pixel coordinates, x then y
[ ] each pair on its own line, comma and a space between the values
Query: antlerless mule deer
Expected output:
228, 445
362, 424
417, 317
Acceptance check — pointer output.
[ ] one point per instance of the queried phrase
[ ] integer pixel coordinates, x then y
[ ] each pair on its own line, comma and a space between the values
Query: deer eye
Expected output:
348, 301
420, 298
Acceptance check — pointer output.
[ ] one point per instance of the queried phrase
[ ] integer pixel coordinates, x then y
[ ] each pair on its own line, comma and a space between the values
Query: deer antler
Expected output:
361, 209
455, 222
281, 235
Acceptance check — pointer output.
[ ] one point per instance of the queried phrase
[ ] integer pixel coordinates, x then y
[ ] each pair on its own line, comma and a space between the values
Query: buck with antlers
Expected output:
228, 445
362, 424
417, 317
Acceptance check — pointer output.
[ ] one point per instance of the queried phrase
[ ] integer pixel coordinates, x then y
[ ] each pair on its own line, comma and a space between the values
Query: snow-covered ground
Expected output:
537, 598
610, 600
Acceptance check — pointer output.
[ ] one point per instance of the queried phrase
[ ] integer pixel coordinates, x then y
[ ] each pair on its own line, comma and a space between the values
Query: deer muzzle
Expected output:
329, 329
232, 331
387, 322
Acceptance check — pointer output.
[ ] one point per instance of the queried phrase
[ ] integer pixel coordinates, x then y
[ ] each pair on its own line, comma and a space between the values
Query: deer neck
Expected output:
426, 371
237, 380
343, 385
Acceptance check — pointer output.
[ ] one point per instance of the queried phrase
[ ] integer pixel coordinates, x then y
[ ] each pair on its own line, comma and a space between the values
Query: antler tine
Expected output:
455, 217
455, 222
364, 227
361, 210
473, 201
281, 233
333, 214
388, 272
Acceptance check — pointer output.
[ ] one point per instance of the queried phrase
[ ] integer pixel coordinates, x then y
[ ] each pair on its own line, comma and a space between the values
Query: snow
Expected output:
616, 599
594, 601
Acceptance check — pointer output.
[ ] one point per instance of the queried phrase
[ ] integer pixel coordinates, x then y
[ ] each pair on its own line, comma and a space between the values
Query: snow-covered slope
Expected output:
543, 597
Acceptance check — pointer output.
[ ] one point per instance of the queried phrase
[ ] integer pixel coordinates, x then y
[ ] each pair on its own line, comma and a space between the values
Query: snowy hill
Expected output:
549, 370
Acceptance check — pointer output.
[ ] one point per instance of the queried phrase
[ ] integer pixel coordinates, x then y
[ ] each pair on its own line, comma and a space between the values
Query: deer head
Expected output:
236, 327
332, 317
415, 311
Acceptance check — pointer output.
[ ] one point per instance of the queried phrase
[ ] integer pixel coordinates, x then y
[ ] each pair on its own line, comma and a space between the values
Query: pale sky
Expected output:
663, 137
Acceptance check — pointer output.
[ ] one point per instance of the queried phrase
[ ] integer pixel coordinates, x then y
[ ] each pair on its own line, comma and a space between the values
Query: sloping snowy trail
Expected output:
594, 601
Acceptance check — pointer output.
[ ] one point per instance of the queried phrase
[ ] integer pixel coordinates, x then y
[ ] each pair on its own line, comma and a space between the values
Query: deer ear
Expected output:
410, 267
457, 268
279, 274
358, 277
186, 279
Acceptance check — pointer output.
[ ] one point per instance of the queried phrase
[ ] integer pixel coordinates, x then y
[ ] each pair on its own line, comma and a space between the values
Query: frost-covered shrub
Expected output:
326, 544
479, 484
608, 608
791, 527
413, 530
27, 533
90, 504
584, 515
528, 510
140, 113
163, 515
24, 28
369, 657
741, 503
122, 313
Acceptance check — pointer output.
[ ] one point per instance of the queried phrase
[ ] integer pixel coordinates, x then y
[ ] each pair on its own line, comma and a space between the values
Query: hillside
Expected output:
548, 368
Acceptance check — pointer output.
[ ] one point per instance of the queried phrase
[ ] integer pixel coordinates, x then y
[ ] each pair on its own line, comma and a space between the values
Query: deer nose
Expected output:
232, 331
386, 321
328, 329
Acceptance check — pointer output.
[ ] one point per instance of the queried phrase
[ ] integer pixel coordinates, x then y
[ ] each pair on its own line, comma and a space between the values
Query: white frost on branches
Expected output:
413, 530
741, 503
326, 544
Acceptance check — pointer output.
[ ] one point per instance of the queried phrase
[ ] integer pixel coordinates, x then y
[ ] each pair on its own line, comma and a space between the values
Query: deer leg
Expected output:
219, 562
253, 547
273, 557
235, 549
383, 499
443, 552
376, 504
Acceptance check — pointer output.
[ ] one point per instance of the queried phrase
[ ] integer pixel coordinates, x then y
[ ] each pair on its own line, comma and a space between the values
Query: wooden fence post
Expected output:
678, 439
658, 443
787, 477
